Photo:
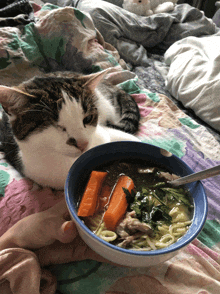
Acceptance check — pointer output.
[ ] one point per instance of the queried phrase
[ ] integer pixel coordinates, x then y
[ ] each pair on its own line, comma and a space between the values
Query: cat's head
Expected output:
58, 111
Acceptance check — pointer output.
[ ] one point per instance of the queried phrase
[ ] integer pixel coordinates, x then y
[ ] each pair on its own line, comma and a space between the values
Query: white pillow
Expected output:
194, 76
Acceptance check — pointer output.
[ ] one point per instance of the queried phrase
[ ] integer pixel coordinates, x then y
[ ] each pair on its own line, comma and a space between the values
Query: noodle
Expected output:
165, 241
165, 236
179, 229
108, 236
97, 225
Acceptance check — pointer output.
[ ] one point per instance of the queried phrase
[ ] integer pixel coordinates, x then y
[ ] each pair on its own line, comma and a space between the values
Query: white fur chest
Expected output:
46, 166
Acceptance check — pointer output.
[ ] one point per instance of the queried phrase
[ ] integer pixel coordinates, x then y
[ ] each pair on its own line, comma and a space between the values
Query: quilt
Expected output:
68, 39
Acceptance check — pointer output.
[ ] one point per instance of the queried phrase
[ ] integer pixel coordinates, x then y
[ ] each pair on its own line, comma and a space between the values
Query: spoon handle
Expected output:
208, 173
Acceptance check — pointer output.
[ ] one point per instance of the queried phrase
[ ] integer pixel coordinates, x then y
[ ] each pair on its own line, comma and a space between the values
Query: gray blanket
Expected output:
134, 36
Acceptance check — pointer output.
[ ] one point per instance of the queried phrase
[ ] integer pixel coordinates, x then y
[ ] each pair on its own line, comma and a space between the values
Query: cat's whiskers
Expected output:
9, 152
31, 110
39, 110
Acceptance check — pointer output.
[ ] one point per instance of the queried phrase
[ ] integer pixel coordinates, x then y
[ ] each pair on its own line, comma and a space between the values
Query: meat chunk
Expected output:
128, 240
131, 225
136, 225
167, 176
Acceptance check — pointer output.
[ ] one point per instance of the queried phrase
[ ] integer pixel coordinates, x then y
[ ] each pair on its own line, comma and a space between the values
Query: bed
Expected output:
170, 64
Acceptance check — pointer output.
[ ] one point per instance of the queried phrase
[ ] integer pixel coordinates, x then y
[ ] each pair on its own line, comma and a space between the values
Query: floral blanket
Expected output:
66, 39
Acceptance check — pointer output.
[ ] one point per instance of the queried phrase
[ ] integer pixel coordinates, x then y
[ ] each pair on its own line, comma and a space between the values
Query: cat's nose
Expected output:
82, 145
71, 141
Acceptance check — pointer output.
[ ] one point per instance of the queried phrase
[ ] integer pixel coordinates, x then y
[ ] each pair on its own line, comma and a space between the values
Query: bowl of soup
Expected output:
119, 196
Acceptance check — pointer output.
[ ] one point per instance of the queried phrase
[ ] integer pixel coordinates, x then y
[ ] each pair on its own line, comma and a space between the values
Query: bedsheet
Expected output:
196, 269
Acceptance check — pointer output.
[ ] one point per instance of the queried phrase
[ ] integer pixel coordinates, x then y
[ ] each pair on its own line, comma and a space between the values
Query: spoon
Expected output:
207, 173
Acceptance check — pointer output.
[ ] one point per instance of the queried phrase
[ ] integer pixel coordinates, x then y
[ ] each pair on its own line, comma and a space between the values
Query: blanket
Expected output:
134, 36
67, 38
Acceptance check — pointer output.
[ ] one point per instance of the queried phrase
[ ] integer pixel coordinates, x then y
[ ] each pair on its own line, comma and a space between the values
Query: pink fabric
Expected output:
23, 198
20, 273
36, 7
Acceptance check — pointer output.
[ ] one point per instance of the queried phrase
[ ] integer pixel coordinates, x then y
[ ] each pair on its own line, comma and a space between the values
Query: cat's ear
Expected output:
92, 80
12, 98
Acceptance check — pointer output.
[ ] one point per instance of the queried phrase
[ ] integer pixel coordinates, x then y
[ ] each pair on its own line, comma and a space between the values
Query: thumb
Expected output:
67, 232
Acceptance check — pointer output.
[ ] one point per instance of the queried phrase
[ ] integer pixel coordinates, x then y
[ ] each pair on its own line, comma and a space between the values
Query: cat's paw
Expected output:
117, 135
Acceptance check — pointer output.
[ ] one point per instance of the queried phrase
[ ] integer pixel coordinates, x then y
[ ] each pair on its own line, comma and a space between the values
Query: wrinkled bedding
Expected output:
193, 76
134, 36
68, 38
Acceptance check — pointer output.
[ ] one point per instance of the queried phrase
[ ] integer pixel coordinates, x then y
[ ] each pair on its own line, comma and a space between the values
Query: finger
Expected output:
61, 211
56, 227
58, 253
67, 232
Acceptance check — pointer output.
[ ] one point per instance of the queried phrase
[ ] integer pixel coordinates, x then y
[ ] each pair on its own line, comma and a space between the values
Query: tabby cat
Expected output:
57, 117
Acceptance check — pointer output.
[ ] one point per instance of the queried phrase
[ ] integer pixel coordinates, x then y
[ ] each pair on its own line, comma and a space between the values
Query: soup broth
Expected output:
156, 215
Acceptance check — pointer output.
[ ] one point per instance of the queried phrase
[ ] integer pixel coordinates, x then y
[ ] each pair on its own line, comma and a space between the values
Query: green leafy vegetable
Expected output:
150, 203
152, 193
136, 206
159, 213
147, 210
129, 196
159, 184
178, 195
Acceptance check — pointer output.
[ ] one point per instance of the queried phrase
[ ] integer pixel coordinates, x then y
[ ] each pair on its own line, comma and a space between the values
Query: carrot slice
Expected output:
118, 203
89, 199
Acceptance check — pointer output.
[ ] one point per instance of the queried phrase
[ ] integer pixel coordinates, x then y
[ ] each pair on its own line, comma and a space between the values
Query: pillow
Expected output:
194, 76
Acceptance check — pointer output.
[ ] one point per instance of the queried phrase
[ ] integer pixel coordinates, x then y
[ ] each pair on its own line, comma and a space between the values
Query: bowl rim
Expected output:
182, 242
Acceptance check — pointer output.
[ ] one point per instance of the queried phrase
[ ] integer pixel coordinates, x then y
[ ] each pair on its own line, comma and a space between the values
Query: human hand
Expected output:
51, 234
41, 229
58, 253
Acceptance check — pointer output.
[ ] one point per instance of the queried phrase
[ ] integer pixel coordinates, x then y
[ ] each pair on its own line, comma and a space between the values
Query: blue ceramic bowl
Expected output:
103, 154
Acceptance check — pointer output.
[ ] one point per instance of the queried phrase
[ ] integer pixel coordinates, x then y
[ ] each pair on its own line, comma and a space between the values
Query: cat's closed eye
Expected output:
88, 120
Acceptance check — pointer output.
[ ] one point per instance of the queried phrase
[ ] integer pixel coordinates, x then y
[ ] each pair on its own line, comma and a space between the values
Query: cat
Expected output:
56, 117
148, 7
